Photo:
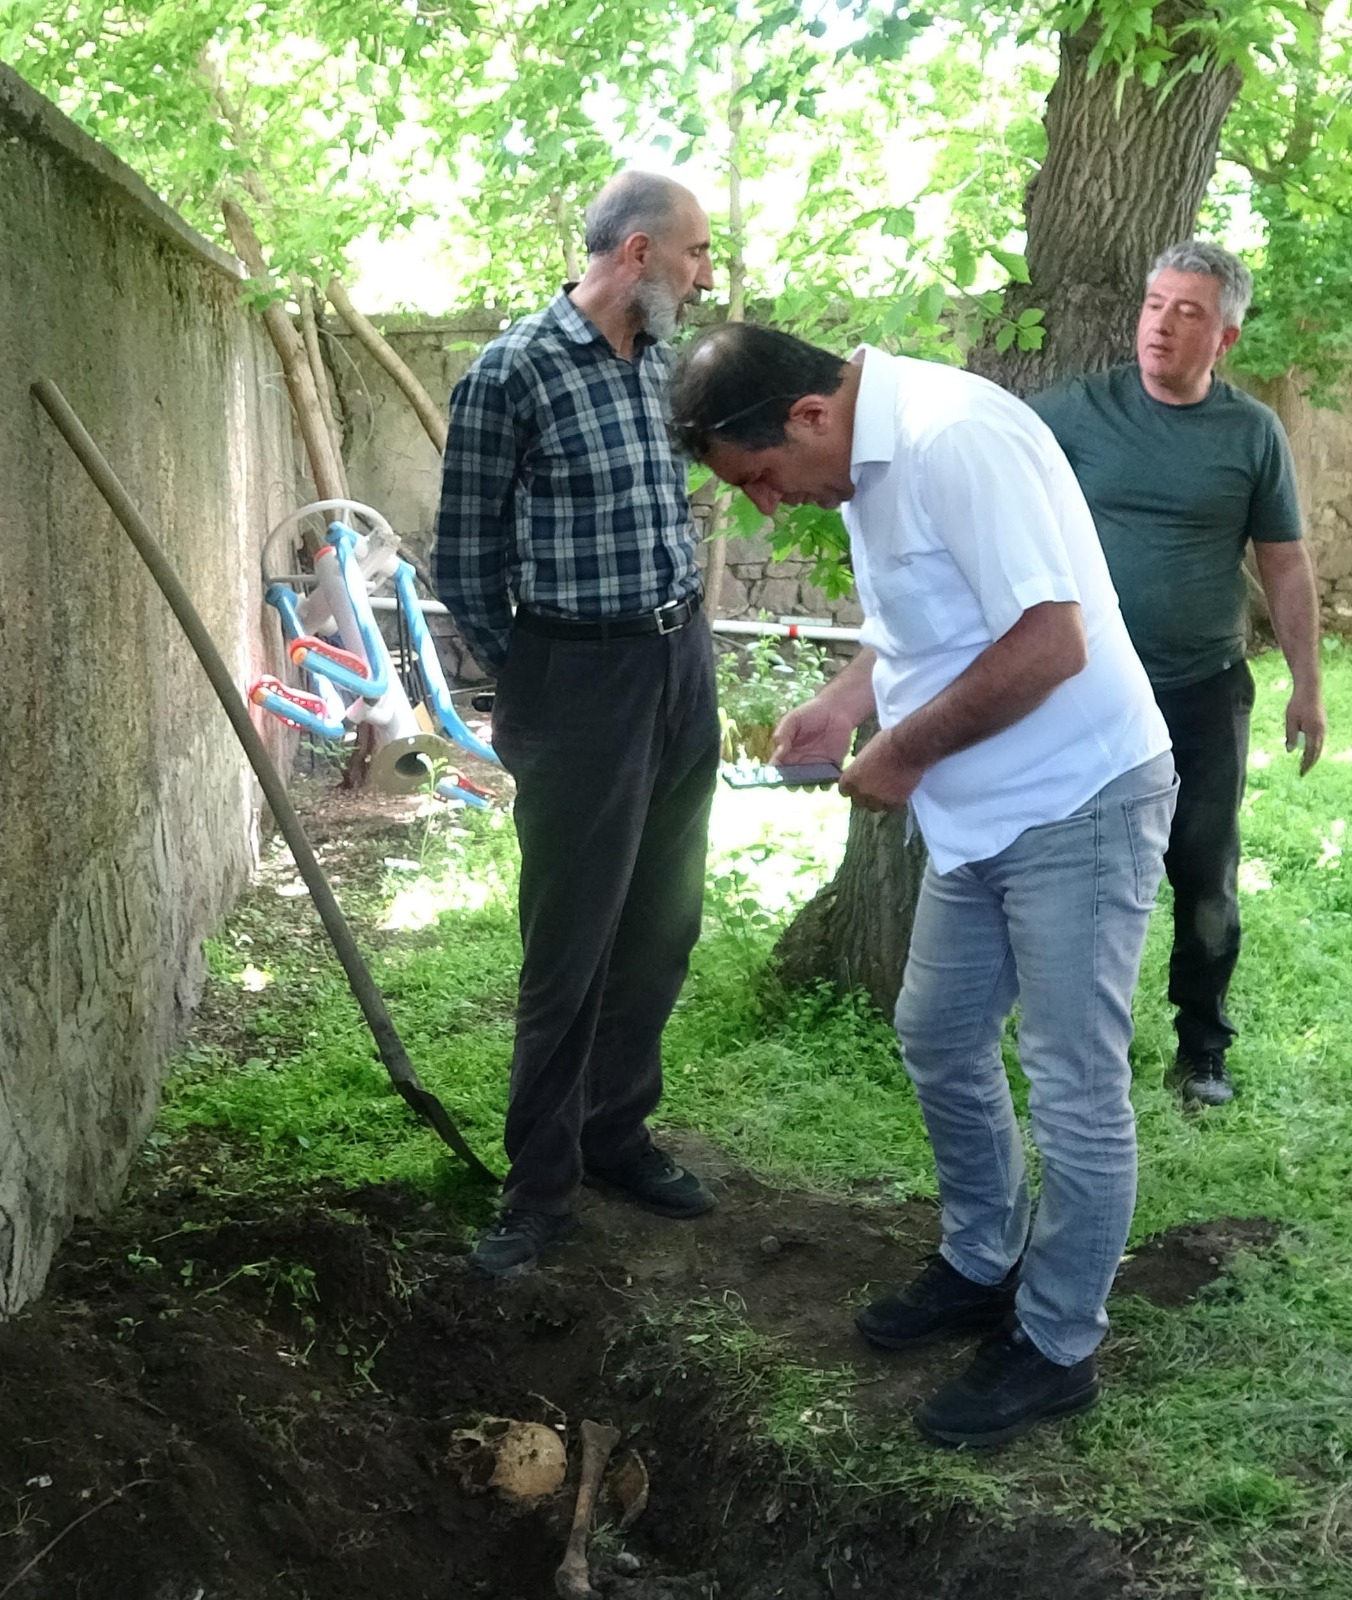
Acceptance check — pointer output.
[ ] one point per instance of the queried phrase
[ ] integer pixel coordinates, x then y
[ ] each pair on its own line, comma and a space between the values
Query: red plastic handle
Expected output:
268, 685
298, 649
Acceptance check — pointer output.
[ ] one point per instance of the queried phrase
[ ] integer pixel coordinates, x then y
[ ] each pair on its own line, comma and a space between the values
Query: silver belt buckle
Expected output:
662, 625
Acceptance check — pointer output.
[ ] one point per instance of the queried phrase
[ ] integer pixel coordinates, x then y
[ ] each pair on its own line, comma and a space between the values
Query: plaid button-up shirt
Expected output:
560, 487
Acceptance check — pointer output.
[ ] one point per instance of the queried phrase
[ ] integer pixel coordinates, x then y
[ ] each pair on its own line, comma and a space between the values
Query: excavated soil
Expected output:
259, 1401
230, 1398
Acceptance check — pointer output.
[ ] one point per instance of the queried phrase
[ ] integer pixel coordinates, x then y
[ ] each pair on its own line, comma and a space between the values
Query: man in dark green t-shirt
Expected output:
1182, 472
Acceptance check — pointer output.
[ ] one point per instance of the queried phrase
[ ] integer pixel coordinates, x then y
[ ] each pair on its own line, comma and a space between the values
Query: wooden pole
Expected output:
325, 467
378, 347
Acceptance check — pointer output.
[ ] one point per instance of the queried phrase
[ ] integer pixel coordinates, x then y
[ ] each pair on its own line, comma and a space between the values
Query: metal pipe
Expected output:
786, 630
368, 996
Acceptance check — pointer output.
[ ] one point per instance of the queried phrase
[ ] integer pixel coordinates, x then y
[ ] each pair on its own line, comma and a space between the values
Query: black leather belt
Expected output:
665, 619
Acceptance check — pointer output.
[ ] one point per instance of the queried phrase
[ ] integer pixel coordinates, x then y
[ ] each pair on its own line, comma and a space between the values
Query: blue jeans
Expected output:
1056, 921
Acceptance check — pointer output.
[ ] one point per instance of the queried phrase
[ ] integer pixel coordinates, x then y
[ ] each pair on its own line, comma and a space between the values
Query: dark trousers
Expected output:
614, 749
1209, 725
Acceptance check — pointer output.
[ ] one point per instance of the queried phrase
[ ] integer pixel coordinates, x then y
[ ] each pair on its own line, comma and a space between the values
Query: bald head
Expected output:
635, 202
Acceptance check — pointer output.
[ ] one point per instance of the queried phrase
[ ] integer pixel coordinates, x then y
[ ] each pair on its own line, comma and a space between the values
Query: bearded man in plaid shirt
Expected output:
561, 492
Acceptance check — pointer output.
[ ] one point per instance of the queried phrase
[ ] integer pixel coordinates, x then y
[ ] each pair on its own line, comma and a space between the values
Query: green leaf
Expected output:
963, 260
897, 315
932, 301
1012, 261
747, 521
1031, 317
1006, 336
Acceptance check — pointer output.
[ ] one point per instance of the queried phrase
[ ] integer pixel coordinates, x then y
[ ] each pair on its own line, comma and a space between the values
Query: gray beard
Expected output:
658, 308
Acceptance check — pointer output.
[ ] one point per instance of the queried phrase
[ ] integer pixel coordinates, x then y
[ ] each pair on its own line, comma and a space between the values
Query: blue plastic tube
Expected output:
430, 662
286, 603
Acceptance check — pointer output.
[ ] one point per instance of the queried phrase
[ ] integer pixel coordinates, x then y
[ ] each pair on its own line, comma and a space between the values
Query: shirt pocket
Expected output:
927, 605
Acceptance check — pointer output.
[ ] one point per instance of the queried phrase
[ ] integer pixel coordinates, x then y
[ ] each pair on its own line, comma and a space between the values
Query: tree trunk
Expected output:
856, 931
309, 329
325, 467
1117, 186
376, 345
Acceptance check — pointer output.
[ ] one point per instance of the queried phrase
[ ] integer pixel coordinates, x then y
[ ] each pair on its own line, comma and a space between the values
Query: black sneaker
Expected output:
1009, 1388
657, 1182
513, 1245
1202, 1079
939, 1302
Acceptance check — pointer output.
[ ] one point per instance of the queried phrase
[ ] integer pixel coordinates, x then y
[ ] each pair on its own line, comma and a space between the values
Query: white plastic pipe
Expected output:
785, 630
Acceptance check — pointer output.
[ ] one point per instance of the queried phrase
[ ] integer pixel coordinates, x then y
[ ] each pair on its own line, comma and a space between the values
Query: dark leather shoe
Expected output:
655, 1180
1009, 1388
513, 1244
938, 1303
1202, 1079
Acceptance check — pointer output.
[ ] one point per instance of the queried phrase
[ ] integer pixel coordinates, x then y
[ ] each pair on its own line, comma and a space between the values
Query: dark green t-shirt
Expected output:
1176, 492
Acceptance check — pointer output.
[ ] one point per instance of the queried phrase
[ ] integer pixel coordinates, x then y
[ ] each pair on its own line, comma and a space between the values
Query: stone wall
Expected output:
127, 810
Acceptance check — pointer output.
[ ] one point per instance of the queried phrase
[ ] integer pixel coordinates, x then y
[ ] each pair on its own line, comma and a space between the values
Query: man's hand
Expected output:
881, 778
815, 731
1305, 714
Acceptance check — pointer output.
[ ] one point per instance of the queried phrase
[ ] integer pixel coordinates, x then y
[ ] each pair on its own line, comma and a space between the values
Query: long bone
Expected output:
572, 1581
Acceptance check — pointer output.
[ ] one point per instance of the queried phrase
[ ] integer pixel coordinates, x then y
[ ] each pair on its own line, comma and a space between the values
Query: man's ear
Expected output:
1228, 338
811, 412
635, 250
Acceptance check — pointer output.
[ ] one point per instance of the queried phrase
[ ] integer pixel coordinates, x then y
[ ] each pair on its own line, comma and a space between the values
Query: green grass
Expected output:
1226, 1430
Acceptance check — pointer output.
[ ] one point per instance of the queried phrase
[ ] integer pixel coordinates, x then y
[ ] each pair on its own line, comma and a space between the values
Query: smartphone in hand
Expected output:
793, 775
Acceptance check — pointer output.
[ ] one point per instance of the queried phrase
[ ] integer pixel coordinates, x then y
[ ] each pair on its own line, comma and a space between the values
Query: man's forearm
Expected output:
1007, 681
1288, 583
474, 516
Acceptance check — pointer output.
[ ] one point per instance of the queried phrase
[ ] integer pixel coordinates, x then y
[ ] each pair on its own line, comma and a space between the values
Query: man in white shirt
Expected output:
1018, 723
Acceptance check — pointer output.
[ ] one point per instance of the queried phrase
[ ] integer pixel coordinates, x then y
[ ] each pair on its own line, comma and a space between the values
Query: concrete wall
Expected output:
126, 810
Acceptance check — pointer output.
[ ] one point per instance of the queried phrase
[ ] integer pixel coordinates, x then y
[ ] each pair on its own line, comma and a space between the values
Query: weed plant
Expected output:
1226, 1428
757, 684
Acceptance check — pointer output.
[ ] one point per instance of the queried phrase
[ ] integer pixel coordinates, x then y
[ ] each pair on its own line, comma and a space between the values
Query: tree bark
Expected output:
309, 329
325, 468
1117, 186
856, 932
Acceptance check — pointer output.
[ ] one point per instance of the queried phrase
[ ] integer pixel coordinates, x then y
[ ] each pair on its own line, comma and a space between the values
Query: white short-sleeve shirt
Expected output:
966, 514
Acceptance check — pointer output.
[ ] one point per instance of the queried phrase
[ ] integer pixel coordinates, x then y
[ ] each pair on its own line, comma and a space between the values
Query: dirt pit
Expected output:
239, 1400
236, 1398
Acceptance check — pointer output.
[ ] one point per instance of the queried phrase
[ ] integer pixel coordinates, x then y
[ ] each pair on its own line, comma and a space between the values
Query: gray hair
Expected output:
1195, 255
635, 202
